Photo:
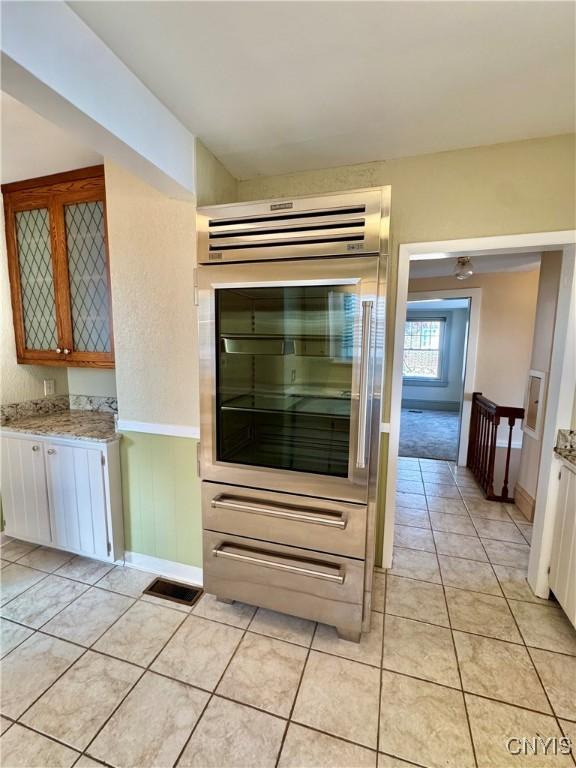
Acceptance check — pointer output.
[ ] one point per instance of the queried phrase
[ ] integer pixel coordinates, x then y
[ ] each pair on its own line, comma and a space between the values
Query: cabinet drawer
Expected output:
299, 521
321, 587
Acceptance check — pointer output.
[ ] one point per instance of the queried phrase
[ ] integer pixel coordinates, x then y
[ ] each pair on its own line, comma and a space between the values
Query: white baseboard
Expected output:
167, 568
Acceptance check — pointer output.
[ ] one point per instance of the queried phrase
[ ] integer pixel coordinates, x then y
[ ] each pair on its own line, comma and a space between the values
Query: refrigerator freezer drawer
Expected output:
299, 521
316, 586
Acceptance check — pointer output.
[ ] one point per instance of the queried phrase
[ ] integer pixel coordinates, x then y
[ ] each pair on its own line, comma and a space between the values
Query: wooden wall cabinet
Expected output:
59, 272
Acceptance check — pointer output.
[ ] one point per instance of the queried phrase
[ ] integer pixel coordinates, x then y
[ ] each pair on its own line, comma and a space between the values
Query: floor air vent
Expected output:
174, 591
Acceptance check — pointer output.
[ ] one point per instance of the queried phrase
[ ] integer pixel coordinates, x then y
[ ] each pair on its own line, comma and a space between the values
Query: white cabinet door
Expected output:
24, 496
563, 562
77, 498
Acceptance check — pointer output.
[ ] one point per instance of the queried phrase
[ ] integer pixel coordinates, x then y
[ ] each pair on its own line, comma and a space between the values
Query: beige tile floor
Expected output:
461, 656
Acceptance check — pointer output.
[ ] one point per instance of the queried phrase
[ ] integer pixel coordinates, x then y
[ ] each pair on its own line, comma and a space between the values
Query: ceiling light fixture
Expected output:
464, 268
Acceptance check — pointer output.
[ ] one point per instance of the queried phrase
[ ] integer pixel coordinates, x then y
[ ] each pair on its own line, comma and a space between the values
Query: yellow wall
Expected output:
507, 312
214, 184
152, 241
161, 497
90, 381
523, 186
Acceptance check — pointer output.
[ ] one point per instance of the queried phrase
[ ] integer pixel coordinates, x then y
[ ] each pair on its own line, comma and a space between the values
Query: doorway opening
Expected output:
558, 404
433, 371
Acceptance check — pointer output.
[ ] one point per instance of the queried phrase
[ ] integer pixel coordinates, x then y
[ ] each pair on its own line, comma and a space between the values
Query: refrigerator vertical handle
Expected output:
363, 415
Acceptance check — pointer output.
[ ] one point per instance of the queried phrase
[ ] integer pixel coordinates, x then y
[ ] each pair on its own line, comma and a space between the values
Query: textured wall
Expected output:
522, 186
152, 243
89, 381
19, 382
213, 182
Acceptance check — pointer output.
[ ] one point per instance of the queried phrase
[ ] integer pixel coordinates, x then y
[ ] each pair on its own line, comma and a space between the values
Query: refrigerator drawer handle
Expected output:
363, 414
221, 502
337, 578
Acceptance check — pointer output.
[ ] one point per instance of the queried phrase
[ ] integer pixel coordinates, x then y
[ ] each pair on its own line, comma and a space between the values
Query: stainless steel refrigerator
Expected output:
291, 298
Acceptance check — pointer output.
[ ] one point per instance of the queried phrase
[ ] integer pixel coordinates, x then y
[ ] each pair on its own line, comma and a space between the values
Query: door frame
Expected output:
561, 384
471, 352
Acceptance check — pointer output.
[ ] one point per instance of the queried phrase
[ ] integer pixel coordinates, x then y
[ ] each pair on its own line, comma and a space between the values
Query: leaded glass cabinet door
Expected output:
32, 233
88, 278
58, 264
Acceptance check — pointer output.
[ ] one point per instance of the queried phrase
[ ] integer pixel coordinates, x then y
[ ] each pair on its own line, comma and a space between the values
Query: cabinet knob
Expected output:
51, 450
58, 350
66, 351
35, 447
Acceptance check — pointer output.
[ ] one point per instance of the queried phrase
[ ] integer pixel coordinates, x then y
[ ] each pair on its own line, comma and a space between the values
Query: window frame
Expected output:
444, 349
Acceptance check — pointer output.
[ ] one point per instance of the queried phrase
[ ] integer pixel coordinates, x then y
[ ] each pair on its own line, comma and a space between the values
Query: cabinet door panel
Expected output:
24, 493
563, 561
77, 499
88, 274
36, 279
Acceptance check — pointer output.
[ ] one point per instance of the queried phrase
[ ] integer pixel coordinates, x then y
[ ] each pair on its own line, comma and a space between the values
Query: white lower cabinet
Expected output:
65, 493
563, 562
24, 491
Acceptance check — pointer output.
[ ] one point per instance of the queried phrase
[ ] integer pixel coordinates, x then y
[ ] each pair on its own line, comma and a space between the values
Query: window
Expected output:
423, 349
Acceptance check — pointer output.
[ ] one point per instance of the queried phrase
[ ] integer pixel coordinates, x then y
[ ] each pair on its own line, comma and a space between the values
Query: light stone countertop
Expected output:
96, 426
568, 454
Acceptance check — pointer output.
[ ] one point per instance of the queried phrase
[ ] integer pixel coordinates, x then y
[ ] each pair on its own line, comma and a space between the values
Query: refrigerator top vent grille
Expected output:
304, 227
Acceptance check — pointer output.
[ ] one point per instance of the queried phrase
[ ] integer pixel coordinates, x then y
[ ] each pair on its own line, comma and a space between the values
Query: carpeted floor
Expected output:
429, 434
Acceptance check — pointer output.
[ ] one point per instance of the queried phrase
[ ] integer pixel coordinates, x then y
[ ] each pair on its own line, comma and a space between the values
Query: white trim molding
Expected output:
150, 428
536, 241
558, 415
190, 574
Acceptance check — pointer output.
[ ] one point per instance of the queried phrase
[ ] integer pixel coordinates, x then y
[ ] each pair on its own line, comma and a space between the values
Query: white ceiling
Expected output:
485, 263
274, 87
33, 146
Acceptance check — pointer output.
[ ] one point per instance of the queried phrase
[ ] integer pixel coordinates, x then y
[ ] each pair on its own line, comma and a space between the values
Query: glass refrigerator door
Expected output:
289, 375
284, 382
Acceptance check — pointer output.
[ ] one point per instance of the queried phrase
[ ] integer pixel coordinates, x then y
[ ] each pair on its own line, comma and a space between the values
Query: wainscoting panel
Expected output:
161, 497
